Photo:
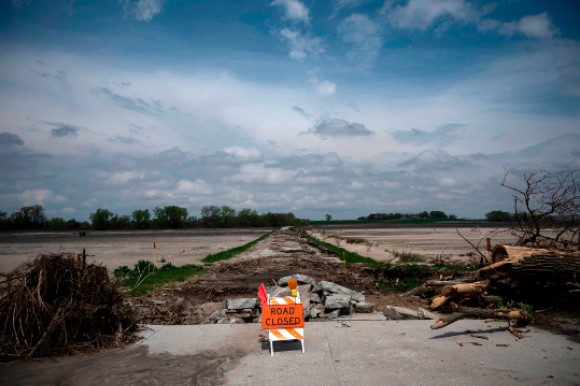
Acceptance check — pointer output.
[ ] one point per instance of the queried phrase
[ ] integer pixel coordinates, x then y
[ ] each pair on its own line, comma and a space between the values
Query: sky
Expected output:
340, 107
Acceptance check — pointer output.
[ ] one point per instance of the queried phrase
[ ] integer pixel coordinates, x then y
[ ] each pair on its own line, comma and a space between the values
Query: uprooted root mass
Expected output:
57, 304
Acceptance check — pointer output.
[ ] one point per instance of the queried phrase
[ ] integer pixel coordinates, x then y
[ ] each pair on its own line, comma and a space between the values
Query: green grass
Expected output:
408, 257
145, 277
351, 257
225, 255
141, 281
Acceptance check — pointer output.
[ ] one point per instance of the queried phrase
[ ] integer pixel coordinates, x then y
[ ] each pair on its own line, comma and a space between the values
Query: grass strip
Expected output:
158, 277
351, 257
225, 255
144, 277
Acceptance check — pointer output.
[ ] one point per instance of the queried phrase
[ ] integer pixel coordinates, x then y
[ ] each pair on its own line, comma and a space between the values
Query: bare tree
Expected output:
547, 208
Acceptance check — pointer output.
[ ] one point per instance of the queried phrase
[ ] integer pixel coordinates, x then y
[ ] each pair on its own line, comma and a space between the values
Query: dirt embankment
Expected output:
282, 254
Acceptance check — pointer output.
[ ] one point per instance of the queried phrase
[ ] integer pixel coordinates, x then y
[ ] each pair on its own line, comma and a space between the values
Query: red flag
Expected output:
263, 295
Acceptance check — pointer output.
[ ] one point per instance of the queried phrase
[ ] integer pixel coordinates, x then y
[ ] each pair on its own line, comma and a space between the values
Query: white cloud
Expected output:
198, 186
422, 14
32, 197
365, 35
294, 10
142, 10
301, 45
535, 26
323, 87
340, 128
244, 154
120, 178
447, 182
258, 174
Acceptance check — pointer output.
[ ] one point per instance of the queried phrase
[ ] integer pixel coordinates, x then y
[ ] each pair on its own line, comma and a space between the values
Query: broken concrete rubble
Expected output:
321, 300
364, 307
401, 313
338, 289
242, 303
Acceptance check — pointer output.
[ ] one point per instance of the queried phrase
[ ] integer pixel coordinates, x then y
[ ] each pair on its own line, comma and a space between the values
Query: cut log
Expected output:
458, 291
465, 289
522, 316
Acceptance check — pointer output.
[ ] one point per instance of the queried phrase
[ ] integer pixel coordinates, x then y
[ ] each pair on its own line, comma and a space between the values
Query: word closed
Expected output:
283, 316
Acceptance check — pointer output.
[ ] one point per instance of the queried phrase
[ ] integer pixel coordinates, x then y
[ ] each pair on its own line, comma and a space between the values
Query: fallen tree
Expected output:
528, 277
541, 276
57, 304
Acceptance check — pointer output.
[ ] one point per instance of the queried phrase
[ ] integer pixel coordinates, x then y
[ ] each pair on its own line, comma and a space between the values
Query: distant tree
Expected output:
211, 216
170, 216
29, 217
498, 215
452, 217
141, 218
437, 214
101, 219
57, 223
120, 222
328, 217
424, 214
73, 224
228, 214
248, 218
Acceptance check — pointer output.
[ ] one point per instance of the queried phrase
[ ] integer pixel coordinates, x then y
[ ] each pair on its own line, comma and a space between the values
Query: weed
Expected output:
122, 271
355, 240
140, 283
511, 304
225, 255
350, 257
408, 257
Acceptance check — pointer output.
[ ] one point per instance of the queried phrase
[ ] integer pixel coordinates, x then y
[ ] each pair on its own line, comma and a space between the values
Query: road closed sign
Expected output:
283, 316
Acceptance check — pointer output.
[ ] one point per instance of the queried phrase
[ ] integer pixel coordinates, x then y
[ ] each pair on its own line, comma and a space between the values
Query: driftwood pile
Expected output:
538, 277
58, 304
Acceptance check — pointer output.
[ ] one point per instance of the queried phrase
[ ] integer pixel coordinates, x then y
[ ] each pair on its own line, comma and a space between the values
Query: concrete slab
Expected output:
391, 352
366, 353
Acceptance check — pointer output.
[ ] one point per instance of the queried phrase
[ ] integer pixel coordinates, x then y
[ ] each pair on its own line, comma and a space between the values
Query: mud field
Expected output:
117, 248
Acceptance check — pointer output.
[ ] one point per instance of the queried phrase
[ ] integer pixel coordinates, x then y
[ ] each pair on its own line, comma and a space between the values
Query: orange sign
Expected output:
283, 316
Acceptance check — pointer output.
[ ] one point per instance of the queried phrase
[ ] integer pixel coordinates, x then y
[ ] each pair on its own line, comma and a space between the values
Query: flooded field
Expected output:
116, 248
435, 242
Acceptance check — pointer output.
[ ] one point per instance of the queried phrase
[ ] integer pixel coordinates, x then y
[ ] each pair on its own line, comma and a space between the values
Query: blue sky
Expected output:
344, 107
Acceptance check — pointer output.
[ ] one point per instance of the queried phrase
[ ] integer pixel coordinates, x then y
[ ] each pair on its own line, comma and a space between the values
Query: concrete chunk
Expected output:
338, 289
364, 307
242, 303
334, 302
300, 278
400, 313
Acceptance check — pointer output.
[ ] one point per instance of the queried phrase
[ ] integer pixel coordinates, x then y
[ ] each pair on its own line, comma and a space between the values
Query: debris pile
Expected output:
322, 300
523, 277
57, 304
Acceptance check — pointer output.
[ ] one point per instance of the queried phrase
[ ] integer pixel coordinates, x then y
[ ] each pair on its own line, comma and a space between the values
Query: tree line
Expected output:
167, 217
435, 214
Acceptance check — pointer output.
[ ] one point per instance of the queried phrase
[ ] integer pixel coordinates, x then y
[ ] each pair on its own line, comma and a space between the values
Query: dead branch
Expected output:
463, 312
482, 256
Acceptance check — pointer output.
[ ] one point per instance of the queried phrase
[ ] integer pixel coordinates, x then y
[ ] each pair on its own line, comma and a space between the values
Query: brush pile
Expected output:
57, 304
